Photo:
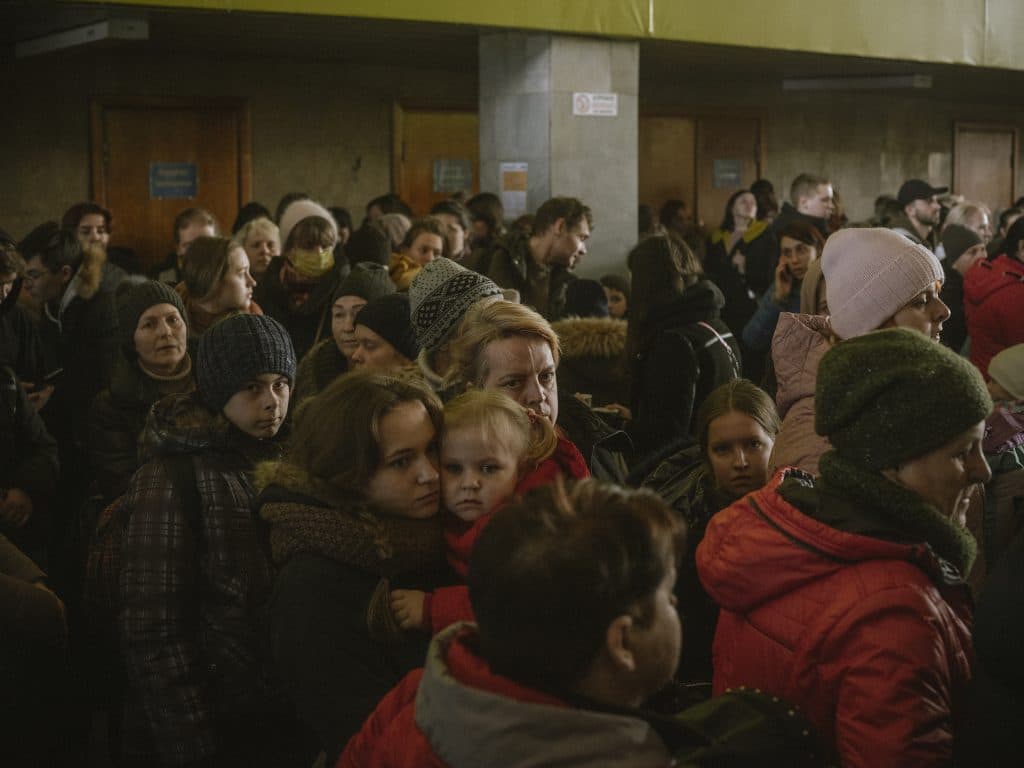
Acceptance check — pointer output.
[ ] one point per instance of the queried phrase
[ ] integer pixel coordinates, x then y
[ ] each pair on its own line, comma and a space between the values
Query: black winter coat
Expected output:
335, 645
672, 374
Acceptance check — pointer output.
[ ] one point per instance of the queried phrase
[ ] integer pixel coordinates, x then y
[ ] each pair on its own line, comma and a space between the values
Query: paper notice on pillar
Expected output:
595, 104
513, 189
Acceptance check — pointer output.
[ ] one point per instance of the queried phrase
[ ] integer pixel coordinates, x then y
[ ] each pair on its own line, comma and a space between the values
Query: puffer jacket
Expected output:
856, 620
117, 418
994, 307
192, 601
592, 359
456, 712
799, 343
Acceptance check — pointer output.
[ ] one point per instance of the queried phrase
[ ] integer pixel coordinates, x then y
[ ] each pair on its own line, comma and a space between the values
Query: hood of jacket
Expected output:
473, 717
789, 214
763, 547
702, 301
987, 278
799, 343
591, 336
182, 424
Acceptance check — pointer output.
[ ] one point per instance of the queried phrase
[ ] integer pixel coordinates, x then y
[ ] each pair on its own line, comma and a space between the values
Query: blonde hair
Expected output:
261, 224
961, 213
485, 323
501, 419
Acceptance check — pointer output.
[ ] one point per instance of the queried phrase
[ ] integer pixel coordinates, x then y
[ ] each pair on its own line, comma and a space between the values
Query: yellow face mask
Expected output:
312, 263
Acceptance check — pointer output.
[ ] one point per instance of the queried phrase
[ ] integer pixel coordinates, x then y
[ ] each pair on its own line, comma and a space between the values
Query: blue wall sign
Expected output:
173, 181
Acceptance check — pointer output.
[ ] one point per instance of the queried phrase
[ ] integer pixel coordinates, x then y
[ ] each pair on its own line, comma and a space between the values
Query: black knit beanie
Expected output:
367, 281
889, 396
585, 298
237, 350
135, 300
388, 317
957, 239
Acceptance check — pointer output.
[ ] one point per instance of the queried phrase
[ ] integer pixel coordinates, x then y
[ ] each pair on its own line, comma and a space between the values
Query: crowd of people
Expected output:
414, 493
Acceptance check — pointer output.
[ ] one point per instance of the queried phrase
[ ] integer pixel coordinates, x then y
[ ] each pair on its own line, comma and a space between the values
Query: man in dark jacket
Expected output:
813, 200
539, 265
20, 345
921, 212
79, 331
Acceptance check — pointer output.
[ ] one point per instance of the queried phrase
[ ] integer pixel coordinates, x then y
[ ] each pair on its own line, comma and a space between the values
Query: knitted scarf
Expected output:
897, 510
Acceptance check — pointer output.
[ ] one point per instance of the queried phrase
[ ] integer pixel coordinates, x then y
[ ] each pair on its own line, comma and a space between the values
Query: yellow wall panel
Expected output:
975, 32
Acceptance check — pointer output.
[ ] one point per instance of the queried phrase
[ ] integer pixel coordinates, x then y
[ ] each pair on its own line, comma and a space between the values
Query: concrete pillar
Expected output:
527, 85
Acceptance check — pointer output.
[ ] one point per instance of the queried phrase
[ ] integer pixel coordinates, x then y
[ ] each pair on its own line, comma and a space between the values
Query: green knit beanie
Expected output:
893, 395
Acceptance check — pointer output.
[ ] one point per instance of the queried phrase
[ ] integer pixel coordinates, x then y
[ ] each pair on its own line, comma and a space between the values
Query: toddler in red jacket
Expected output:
492, 450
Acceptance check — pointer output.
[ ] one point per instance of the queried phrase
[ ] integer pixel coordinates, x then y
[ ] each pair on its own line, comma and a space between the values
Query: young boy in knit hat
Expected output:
384, 337
439, 297
330, 358
193, 574
876, 278
846, 594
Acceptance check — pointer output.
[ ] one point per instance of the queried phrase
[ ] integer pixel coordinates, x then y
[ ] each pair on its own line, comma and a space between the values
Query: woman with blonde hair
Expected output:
261, 240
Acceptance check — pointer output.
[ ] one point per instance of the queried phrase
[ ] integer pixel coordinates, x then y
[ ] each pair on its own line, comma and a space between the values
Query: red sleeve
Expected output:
364, 749
894, 703
449, 605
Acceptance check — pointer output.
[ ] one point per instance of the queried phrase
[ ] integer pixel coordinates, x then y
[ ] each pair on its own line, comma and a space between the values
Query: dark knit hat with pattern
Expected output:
440, 294
889, 396
237, 350
388, 317
135, 300
367, 281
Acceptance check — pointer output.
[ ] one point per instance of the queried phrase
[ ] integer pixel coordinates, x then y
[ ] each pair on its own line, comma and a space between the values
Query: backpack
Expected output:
101, 594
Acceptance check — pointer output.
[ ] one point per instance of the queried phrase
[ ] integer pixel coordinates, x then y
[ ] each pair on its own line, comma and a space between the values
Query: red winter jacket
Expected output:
447, 605
994, 308
861, 632
456, 712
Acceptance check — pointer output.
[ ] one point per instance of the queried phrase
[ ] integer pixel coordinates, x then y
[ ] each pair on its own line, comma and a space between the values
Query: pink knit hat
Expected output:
870, 275
303, 209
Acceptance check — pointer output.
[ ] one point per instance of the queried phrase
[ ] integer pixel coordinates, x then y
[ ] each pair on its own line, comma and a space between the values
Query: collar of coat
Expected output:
591, 336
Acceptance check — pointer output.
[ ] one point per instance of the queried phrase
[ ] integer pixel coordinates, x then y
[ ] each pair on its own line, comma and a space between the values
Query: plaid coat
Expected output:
190, 624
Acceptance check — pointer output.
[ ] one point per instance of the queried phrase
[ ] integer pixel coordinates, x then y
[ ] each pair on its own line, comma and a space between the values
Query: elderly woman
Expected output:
846, 595
153, 362
261, 240
511, 348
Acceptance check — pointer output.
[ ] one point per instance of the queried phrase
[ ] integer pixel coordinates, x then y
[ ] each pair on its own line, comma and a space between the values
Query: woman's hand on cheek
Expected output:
407, 605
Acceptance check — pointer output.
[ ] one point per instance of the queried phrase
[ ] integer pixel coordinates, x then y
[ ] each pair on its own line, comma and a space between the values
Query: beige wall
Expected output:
867, 143
325, 126
320, 127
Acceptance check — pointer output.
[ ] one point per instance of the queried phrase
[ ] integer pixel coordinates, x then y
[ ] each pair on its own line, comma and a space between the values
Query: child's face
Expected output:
477, 473
259, 408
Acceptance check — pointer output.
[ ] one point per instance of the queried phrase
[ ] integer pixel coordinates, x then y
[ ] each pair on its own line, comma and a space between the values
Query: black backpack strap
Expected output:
182, 473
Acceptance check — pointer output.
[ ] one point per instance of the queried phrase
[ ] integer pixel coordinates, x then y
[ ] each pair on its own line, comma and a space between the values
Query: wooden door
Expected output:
436, 154
728, 159
985, 162
666, 161
151, 160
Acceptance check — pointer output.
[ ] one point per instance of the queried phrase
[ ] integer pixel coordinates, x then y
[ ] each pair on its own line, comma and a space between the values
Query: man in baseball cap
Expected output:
921, 210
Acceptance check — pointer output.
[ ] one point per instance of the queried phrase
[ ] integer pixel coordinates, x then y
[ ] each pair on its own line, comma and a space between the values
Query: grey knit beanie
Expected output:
367, 281
871, 274
237, 350
388, 317
136, 300
440, 295
889, 396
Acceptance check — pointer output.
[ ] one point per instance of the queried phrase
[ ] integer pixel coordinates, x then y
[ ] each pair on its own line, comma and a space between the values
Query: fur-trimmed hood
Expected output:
591, 336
